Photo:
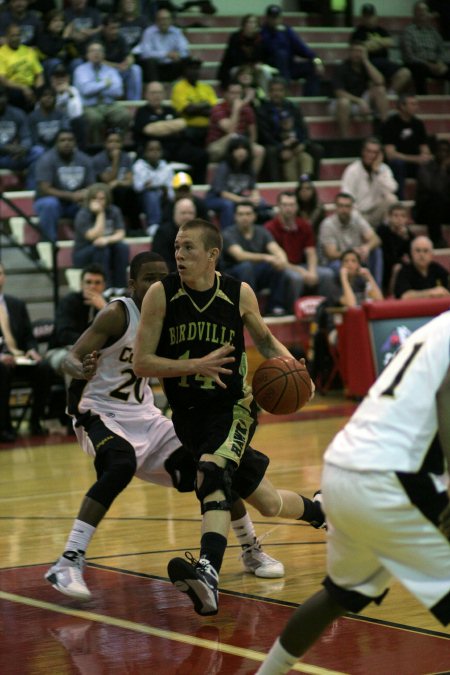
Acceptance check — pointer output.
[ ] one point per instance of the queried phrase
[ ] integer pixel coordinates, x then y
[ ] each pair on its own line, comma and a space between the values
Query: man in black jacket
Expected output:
75, 313
19, 354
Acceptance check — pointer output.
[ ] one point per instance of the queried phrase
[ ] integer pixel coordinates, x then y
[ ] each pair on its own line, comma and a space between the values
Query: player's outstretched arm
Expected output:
109, 325
146, 363
266, 343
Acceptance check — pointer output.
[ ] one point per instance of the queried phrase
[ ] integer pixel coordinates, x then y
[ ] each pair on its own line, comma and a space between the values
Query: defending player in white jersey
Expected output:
117, 423
385, 493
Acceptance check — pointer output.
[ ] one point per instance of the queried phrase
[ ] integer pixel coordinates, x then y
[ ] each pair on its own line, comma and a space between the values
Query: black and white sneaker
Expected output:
319, 522
198, 579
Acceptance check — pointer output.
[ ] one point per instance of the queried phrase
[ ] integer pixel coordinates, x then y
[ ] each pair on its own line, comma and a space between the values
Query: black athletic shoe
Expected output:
198, 579
319, 522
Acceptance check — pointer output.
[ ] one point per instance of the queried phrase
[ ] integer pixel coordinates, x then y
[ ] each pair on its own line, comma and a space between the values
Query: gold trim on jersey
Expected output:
218, 293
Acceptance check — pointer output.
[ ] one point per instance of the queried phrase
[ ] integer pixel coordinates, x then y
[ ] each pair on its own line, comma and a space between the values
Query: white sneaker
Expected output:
260, 564
320, 523
66, 576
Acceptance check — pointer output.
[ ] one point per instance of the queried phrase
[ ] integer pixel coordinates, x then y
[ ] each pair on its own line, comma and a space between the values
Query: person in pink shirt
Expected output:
233, 116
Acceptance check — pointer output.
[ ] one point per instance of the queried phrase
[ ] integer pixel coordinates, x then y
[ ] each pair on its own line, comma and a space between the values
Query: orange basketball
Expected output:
281, 385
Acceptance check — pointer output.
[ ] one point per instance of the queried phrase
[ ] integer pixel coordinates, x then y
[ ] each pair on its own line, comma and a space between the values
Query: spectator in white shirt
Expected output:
162, 49
152, 179
370, 182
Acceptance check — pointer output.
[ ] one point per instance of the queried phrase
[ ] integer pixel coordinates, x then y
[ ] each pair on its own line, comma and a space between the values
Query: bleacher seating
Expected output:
208, 44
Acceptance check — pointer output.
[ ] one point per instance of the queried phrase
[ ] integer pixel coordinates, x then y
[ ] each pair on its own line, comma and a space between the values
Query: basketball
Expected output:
281, 385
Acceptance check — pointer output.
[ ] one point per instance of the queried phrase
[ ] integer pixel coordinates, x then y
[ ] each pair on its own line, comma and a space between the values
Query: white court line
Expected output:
156, 632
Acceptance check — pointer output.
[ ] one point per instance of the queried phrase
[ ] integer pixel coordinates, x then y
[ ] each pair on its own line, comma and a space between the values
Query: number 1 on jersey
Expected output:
208, 382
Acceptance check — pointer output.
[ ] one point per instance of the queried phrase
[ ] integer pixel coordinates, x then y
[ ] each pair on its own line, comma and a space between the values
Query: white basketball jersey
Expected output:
393, 427
115, 387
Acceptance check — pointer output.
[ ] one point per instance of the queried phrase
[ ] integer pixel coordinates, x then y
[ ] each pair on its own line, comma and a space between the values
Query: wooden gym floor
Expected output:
136, 623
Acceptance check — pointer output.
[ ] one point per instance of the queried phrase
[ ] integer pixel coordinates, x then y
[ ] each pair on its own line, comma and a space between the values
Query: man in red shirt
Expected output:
234, 116
296, 238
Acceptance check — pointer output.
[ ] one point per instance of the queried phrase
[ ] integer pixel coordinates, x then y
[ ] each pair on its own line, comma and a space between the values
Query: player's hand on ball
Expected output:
89, 365
313, 386
212, 365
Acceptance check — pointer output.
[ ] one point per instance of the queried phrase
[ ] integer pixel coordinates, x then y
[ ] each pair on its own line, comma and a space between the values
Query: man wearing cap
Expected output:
194, 100
68, 100
182, 187
159, 121
378, 41
289, 54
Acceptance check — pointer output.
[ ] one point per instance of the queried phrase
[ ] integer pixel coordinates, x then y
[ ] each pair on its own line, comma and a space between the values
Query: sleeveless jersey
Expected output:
394, 427
195, 325
115, 387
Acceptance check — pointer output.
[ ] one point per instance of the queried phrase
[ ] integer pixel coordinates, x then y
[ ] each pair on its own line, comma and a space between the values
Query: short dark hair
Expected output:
247, 203
93, 268
210, 232
142, 258
353, 252
344, 195
286, 193
398, 206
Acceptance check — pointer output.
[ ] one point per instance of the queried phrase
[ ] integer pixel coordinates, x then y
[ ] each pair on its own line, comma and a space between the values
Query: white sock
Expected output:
80, 536
278, 661
244, 530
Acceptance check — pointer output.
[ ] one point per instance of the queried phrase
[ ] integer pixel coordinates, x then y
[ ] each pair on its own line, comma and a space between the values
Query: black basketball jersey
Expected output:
197, 323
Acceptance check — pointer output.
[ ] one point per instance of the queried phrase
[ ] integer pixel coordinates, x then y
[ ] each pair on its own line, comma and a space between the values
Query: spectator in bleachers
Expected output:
346, 228
17, 341
233, 116
378, 41
164, 239
433, 193
152, 180
132, 23
182, 188
370, 182
422, 277
358, 86
113, 166
68, 101
20, 70
83, 24
46, 121
253, 87
194, 100
244, 47
440, 10
396, 237
296, 238
310, 207
162, 49
252, 255
99, 234
234, 182
284, 134
118, 56
63, 174
51, 43
159, 121
356, 283
16, 151
423, 49
74, 313
405, 141
18, 14
289, 54
100, 87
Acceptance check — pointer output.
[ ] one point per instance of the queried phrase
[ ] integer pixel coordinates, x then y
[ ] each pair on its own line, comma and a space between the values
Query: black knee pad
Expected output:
215, 478
115, 463
182, 469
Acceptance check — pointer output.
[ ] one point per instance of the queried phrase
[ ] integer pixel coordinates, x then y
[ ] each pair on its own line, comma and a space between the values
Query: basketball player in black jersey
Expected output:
191, 335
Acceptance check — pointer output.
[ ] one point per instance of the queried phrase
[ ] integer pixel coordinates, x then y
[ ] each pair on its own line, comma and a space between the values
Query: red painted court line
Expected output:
33, 633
